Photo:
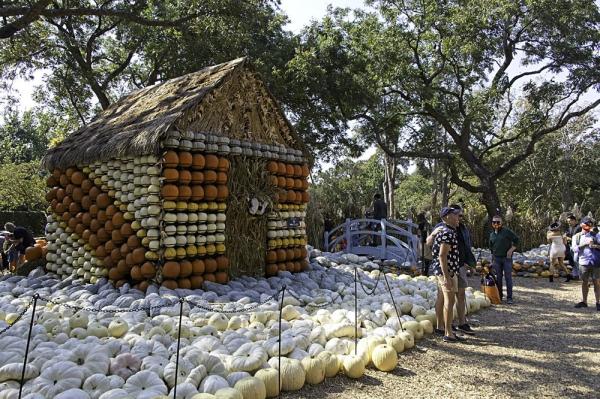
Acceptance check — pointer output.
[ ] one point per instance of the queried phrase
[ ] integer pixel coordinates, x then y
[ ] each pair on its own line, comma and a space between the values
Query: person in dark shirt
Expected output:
20, 240
379, 212
445, 266
503, 243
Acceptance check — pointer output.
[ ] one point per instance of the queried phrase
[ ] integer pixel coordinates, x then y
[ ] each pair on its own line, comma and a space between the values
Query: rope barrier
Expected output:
181, 301
35, 298
279, 342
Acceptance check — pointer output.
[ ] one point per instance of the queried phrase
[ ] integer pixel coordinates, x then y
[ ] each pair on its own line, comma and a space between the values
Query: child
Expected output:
557, 251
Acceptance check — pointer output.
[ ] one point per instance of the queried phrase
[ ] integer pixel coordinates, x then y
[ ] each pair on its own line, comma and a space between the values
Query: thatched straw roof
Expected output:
136, 124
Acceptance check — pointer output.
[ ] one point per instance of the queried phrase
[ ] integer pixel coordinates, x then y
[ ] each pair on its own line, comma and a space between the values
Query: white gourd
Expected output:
415, 328
269, 377
384, 357
118, 327
116, 394
427, 326
57, 378
292, 375
228, 393
408, 338
97, 384
314, 369
212, 383
249, 357
218, 321
12, 371
184, 391
145, 385
353, 366
251, 388
236, 376
78, 320
73, 393
331, 363
395, 342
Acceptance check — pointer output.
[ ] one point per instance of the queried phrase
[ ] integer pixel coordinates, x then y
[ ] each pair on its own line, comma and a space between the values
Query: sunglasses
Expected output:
496, 222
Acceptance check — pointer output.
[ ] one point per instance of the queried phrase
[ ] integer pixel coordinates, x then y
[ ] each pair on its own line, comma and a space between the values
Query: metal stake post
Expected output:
35, 298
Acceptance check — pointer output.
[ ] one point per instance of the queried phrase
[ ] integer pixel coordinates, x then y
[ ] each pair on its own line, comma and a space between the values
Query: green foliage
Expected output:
413, 195
346, 190
22, 188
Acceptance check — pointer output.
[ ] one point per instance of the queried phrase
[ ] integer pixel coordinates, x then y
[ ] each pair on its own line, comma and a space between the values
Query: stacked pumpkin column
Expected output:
194, 193
287, 229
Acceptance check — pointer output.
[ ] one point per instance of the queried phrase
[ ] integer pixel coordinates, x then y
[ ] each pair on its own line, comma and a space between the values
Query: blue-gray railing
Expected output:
391, 240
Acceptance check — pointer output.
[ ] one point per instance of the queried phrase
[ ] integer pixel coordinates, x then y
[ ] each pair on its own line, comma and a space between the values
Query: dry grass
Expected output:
539, 347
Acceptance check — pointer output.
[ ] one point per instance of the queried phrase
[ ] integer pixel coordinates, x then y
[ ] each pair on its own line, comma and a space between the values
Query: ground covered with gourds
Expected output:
229, 345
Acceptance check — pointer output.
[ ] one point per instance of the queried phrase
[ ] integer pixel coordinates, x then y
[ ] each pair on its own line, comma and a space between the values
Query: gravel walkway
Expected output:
538, 347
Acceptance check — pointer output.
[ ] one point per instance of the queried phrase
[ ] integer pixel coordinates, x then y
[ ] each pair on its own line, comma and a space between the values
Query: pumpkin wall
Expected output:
162, 218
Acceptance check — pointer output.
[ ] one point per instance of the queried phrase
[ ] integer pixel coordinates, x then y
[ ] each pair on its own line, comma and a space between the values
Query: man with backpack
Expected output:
587, 244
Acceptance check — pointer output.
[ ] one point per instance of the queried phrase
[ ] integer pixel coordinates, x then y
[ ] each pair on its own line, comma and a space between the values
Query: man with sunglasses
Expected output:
503, 243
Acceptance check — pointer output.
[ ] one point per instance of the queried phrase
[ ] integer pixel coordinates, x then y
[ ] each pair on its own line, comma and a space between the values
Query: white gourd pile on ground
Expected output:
84, 354
532, 263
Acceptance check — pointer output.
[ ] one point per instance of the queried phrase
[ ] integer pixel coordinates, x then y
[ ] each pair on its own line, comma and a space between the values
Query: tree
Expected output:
96, 55
21, 187
495, 77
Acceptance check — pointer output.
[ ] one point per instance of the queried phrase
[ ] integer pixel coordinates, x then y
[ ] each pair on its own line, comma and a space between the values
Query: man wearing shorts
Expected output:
467, 259
445, 266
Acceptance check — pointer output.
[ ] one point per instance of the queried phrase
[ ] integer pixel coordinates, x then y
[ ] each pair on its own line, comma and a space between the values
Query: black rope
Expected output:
244, 310
35, 298
95, 310
362, 286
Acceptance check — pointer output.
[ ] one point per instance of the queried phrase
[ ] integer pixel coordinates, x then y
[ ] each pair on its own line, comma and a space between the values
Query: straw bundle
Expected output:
245, 233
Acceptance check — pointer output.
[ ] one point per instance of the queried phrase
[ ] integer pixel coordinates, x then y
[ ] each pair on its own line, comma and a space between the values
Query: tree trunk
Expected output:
389, 166
491, 200
444, 184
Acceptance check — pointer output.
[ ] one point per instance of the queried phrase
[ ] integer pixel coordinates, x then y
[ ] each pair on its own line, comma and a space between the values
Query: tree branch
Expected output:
30, 15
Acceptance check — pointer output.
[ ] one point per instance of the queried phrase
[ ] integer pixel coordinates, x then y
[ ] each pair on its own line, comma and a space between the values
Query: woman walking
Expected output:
557, 251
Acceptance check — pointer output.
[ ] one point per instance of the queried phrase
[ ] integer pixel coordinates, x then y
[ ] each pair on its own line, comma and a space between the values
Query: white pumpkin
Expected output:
251, 388
183, 370
116, 394
293, 375
97, 384
427, 326
57, 378
218, 321
331, 363
91, 358
314, 369
384, 357
236, 376
353, 366
408, 338
228, 393
145, 385
414, 327
78, 320
185, 390
73, 393
155, 364
125, 365
249, 357
270, 378
395, 342
118, 327
212, 383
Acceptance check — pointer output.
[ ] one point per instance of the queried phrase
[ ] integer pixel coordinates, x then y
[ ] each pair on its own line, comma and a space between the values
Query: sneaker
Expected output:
452, 339
437, 331
466, 328
581, 305
509, 301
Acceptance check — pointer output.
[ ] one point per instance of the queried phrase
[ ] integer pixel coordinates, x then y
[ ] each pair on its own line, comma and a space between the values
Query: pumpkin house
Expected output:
199, 178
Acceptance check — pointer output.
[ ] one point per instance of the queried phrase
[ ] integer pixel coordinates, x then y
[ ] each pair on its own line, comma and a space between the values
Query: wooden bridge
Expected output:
381, 239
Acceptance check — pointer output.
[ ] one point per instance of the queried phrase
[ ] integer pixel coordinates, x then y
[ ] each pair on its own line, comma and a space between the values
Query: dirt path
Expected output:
538, 347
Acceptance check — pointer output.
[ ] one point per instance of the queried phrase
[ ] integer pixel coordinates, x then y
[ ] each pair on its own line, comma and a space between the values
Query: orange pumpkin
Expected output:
138, 255
273, 180
126, 230
133, 242
305, 170
197, 177
185, 268
94, 193
185, 193
148, 270
103, 236
197, 193
281, 255
222, 192
221, 178
103, 201
272, 167
77, 178
33, 253
281, 181
210, 265
60, 194
197, 267
87, 185
209, 277
136, 273
222, 263
118, 220
305, 197
124, 249
196, 282
64, 180
170, 174
171, 269
51, 194
170, 284
297, 171
143, 286
169, 192
297, 184
185, 177
281, 169
223, 165
51, 181
271, 269
221, 277
211, 161
289, 170
198, 162
170, 159
210, 176
184, 283
271, 256
304, 265
210, 192
185, 159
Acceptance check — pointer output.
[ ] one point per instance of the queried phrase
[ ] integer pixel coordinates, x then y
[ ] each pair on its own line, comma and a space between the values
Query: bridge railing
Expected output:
378, 238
